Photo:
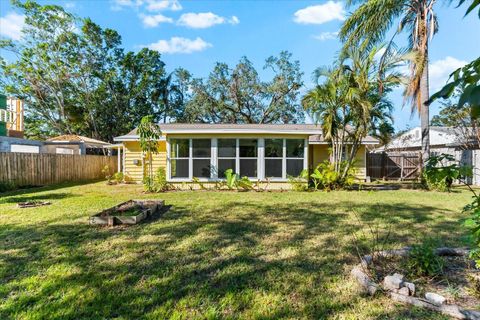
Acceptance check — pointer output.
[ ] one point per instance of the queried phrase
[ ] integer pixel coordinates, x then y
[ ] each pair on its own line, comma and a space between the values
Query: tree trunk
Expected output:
424, 113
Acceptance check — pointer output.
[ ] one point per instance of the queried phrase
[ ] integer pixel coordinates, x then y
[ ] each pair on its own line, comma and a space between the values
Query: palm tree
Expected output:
368, 25
168, 92
352, 102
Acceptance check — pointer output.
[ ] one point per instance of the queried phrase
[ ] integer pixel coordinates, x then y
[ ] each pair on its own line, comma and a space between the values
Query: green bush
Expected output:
118, 177
299, 183
7, 186
423, 261
473, 223
326, 177
108, 174
160, 183
442, 170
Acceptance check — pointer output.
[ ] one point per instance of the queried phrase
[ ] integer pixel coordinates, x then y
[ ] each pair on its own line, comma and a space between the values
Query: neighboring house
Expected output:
66, 144
440, 140
456, 141
75, 144
259, 151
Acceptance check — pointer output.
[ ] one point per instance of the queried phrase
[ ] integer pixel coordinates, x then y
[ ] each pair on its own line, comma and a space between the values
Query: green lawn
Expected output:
213, 255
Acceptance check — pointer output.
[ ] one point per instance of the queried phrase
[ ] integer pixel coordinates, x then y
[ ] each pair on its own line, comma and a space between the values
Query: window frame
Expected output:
235, 158
192, 158
214, 158
170, 158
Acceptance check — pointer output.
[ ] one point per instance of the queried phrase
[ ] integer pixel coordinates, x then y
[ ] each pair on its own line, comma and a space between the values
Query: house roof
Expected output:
312, 130
439, 137
76, 138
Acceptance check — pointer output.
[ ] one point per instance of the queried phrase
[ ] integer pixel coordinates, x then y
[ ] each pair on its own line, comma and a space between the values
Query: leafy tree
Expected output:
149, 133
352, 103
239, 96
368, 25
75, 77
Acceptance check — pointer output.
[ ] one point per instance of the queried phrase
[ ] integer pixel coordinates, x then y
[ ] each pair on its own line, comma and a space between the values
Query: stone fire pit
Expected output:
399, 289
129, 212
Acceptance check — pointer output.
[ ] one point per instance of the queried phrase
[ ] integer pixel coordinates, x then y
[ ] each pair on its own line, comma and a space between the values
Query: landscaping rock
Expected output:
399, 276
435, 298
393, 282
404, 291
411, 287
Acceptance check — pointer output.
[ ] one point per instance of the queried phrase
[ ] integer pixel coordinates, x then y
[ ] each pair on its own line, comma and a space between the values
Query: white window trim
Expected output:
214, 159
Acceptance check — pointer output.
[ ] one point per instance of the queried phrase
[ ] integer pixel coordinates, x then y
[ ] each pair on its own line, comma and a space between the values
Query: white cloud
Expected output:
149, 5
321, 13
158, 5
179, 45
234, 20
440, 70
326, 36
204, 20
11, 25
151, 21
70, 5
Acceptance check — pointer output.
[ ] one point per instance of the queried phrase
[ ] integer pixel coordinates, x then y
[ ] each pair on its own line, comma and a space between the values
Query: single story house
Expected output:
258, 151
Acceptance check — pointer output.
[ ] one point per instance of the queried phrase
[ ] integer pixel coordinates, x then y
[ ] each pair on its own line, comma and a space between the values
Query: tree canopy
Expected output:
239, 96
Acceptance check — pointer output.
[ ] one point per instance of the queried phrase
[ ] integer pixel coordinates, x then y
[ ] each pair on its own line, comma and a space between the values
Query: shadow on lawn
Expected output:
41, 197
233, 259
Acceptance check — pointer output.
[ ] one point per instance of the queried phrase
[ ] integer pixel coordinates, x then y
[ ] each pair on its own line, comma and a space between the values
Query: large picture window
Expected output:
227, 156
179, 154
248, 157
206, 158
201, 158
274, 158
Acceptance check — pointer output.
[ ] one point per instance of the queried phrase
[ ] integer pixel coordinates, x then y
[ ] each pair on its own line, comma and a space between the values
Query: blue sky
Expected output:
196, 34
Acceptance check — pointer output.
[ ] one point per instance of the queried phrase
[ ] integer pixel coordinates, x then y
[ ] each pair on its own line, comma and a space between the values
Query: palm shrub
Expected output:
350, 102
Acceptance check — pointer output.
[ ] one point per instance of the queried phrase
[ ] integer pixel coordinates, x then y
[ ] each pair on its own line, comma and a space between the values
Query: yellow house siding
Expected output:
134, 152
321, 153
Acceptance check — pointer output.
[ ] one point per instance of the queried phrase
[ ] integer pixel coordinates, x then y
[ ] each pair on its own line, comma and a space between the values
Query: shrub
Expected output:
473, 223
245, 184
118, 177
7, 186
108, 175
299, 183
160, 183
231, 179
423, 261
326, 177
441, 170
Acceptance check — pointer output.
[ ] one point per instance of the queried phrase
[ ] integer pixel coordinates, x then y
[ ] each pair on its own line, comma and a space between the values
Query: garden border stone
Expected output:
401, 291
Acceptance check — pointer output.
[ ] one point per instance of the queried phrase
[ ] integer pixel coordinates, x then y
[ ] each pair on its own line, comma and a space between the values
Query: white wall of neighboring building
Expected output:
412, 139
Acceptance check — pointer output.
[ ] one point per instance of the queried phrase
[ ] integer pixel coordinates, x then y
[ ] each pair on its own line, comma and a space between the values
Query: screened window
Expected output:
248, 157
227, 156
273, 158
201, 157
295, 149
179, 154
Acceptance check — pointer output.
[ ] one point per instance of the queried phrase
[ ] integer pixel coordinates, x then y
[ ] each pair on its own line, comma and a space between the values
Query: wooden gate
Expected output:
393, 166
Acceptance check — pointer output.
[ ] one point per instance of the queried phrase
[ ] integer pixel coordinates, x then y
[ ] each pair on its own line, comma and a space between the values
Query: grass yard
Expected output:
213, 255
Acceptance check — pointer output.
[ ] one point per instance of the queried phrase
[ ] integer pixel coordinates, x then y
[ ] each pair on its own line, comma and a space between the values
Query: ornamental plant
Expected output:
442, 170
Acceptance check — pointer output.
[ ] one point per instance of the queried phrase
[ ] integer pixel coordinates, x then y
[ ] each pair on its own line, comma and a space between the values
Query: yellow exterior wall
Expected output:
317, 154
320, 153
134, 152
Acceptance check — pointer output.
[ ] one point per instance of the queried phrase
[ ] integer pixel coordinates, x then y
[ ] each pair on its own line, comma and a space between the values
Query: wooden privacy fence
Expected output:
393, 166
31, 169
